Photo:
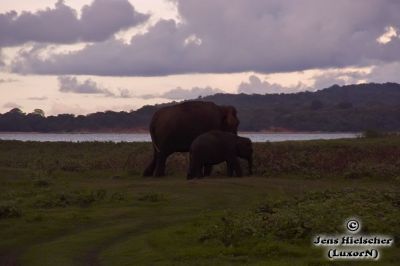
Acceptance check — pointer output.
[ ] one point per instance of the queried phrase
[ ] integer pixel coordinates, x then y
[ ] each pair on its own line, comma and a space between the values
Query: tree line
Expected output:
337, 108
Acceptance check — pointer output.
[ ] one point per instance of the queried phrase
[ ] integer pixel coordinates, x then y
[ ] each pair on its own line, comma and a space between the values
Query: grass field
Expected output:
86, 204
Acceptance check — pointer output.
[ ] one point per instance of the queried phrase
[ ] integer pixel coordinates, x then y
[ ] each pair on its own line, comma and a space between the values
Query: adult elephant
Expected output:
173, 128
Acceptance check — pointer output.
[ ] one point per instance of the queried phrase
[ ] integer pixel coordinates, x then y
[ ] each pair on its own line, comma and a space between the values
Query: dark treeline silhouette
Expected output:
347, 108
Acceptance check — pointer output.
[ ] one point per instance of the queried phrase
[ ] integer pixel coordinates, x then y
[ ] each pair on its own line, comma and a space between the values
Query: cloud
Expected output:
195, 92
61, 24
8, 80
385, 73
123, 93
2, 63
43, 98
256, 86
61, 108
224, 36
338, 77
68, 84
380, 73
183, 94
71, 84
390, 33
11, 105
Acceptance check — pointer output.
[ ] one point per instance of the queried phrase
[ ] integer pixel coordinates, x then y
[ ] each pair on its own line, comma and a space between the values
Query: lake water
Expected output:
145, 137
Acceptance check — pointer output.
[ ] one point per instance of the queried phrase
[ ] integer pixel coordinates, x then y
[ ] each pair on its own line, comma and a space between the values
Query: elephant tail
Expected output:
153, 137
156, 147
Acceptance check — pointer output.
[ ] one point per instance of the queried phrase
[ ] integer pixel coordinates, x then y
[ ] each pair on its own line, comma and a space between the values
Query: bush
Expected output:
372, 134
232, 228
77, 198
8, 210
41, 183
117, 196
299, 218
152, 197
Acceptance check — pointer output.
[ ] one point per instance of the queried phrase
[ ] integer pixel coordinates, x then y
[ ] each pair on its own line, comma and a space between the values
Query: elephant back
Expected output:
173, 128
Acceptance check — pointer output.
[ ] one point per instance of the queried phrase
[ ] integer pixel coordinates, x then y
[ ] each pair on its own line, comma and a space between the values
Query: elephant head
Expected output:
244, 149
230, 122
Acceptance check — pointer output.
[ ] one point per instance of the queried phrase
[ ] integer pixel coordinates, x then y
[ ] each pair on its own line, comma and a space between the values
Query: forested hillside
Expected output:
347, 108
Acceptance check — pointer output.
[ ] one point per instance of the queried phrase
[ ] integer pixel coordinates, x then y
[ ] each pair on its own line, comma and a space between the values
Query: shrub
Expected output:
372, 134
117, 196
78, 198
299, 218
152, 197
232, 228
9, 210
41, 182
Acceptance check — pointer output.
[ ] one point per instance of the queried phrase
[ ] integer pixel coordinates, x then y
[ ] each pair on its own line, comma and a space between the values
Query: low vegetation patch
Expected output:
41, 182
299, 218
152, 197
9, 210
77, 198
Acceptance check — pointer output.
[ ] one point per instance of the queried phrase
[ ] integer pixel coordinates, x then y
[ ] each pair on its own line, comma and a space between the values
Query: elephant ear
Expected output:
230, 122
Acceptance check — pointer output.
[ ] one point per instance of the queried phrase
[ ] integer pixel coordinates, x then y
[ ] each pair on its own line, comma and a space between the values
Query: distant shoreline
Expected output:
146, 132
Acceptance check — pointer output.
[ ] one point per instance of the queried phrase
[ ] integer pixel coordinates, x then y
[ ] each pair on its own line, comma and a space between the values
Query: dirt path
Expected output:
92, 258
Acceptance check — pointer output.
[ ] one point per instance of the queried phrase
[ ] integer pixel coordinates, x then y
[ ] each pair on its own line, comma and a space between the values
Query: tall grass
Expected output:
356, 158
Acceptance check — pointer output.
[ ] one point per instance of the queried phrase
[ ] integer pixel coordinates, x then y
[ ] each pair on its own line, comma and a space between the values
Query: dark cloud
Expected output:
61, 24
256, 86
224, 36
147, 58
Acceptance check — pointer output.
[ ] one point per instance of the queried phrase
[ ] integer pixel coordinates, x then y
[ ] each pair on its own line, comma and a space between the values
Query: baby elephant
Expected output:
215, 147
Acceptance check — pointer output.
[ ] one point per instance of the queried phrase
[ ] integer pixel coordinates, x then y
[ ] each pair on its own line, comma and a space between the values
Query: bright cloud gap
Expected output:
390, 33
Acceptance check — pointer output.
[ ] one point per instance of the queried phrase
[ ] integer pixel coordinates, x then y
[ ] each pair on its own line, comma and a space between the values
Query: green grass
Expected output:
86, 204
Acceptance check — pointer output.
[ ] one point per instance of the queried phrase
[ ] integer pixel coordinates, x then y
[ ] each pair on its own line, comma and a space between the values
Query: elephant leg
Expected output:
151, 166
190, 174
160, 164
229, 169
237, 168
195, 167
250, 162
195, 171
192, 168
198, 170
234, 166
207, 169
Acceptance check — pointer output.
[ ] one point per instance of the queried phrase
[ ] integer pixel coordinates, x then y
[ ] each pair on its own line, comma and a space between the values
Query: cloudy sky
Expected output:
82, 56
